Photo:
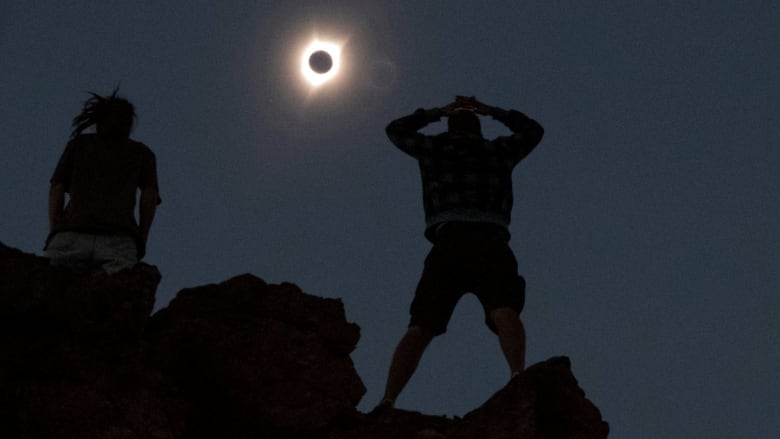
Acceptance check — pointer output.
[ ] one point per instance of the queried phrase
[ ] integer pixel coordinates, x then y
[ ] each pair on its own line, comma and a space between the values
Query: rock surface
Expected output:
81, 356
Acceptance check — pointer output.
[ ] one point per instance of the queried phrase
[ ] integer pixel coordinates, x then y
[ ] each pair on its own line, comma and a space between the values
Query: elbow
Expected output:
56, 196
57, 189
150, 197
539, 134
394, 134
535, 133
394, 129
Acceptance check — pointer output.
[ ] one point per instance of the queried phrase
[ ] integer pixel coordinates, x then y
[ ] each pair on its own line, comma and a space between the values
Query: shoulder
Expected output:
140, 147
437, 142
83, 140
81, 145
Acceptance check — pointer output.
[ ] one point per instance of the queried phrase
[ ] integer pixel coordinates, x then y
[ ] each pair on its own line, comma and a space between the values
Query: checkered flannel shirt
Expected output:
465, 178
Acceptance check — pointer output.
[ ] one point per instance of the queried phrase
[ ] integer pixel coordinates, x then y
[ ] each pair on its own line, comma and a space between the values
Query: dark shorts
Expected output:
467, 259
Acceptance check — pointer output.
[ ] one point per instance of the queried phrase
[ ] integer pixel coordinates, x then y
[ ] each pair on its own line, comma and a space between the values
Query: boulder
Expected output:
81, 356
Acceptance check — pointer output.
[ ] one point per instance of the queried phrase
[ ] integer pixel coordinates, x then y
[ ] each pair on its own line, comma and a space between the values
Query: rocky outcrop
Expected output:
545, 403
250, 356
81, 356
71, 345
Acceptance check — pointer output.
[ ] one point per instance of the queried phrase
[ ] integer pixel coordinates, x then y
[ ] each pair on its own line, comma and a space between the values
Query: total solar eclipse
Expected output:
319, 69
320, 61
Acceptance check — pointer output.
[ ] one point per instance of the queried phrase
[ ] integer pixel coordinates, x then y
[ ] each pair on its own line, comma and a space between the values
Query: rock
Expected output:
71, 341
546, 402
81, 357
256, 357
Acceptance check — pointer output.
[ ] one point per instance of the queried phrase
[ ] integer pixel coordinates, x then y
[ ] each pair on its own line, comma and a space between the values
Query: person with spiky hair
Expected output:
467, 199
100, 174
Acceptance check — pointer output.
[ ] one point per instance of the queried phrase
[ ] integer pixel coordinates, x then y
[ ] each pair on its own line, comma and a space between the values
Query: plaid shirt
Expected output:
465, 178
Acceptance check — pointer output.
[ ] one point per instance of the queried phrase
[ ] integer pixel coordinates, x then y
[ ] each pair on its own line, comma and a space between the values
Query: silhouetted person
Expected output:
102, 172
467, 198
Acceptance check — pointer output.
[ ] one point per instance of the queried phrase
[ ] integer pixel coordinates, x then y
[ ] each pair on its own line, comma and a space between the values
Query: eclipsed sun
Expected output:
320, 62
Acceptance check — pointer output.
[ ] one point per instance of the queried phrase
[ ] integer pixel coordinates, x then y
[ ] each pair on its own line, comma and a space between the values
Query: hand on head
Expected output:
469, 103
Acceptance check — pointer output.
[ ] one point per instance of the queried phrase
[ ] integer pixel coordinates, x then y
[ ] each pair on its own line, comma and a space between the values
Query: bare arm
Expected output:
147, 207
56, 203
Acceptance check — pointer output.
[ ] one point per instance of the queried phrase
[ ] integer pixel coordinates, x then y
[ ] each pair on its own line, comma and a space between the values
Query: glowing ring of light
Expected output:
314, 78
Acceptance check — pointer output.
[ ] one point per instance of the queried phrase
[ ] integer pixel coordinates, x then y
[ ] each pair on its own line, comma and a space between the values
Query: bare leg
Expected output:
511, 336
405, 359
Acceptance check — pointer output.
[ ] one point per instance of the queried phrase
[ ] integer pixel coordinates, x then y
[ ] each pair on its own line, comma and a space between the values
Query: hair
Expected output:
464, 121
101, 109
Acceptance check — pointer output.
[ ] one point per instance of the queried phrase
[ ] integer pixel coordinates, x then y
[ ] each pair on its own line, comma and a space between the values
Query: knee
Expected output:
503, 317
419, 334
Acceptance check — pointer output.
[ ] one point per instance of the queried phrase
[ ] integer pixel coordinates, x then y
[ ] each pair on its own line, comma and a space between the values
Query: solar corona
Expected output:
320, 62
318, 70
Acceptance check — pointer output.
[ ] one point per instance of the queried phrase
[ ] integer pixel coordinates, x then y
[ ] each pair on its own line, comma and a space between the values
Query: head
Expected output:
112, 116
464, 122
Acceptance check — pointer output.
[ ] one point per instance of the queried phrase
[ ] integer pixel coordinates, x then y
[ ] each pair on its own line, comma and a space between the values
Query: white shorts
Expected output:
112, 253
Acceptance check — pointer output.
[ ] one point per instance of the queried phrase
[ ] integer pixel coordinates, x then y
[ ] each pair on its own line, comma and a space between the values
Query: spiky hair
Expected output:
98, 108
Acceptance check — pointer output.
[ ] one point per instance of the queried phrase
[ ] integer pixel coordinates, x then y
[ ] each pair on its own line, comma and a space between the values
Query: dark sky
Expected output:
645, 223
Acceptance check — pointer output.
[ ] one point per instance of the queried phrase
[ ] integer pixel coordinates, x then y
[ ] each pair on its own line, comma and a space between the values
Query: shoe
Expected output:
384, 407
516, 378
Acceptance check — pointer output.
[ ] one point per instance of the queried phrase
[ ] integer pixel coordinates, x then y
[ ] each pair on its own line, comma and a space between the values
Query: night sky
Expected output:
645, 222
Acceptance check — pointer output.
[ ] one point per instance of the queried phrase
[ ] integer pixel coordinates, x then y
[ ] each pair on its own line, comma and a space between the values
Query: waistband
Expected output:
467, 230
